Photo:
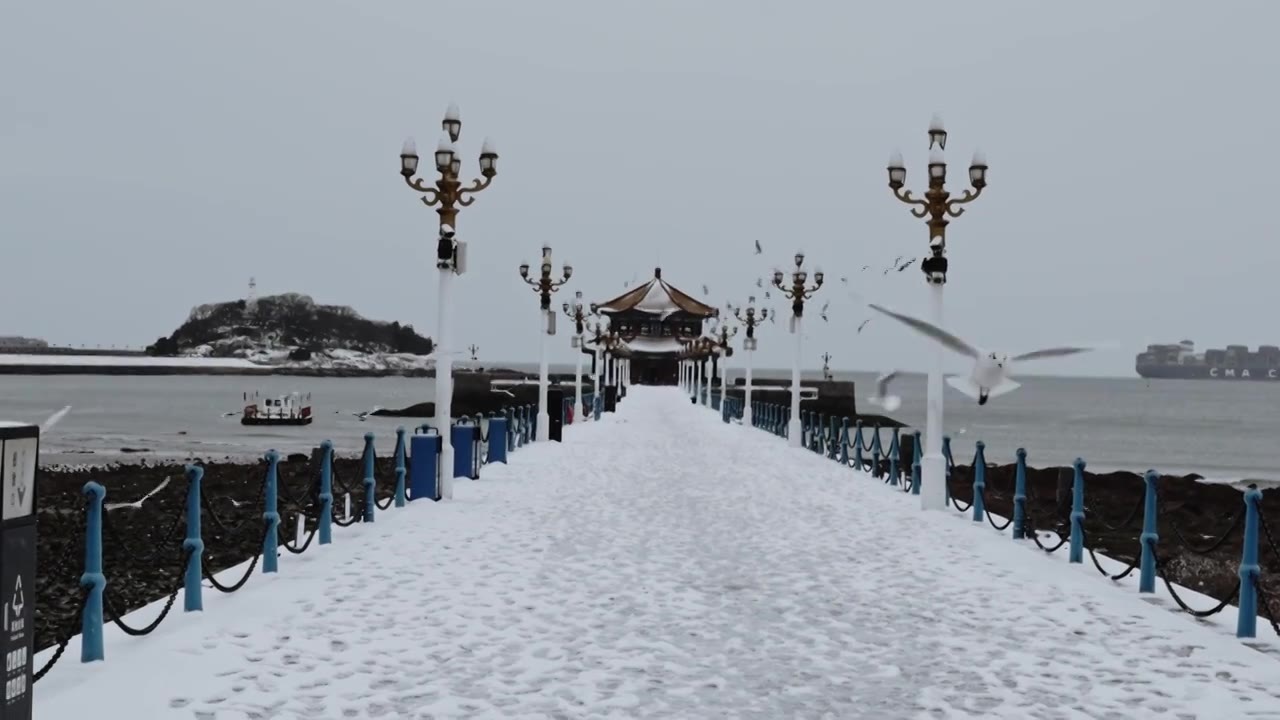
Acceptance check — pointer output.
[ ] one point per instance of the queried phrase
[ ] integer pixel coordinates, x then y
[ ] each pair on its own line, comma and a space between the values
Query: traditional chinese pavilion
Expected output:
654, 321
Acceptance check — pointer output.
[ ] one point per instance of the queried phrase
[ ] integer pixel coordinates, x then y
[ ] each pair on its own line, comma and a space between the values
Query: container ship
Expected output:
1234, 362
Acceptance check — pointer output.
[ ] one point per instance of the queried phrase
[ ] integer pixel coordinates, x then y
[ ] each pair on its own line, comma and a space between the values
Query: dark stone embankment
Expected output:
1189, 509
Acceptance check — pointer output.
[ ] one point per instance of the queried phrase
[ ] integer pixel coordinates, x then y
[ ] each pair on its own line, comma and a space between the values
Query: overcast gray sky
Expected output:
154, 155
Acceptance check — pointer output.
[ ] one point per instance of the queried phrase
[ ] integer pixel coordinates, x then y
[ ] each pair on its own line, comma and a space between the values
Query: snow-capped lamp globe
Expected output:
978, 170
937, 167
937, 133
408, 158
444, 155
488, 159
897, 171
452, 122
524, 270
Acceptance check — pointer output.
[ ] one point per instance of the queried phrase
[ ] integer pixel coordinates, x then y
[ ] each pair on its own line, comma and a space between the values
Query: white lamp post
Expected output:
577, 313
797, 292
750, 320
544, 286
447, 196
935, 208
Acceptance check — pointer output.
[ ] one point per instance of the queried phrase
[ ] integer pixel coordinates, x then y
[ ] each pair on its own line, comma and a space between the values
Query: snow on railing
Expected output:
1234, 550
250, 530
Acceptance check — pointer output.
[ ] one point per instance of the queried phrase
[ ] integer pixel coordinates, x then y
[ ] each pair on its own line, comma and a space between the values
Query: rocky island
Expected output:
287, 334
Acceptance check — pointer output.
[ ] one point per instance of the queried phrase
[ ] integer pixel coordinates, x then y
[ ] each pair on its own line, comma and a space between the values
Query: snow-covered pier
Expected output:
662, 563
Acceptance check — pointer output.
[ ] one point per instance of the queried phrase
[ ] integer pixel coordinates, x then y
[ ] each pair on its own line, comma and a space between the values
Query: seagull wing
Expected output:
54, 418
1050, 352
882, 383
948, 340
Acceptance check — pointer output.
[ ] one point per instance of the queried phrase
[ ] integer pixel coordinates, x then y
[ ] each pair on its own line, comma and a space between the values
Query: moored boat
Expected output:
292, 409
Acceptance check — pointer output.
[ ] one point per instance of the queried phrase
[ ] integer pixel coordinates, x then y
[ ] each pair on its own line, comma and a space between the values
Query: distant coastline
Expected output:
95, 363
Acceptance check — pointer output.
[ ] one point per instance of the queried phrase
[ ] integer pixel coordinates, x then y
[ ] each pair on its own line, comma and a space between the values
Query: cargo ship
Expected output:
1234, 362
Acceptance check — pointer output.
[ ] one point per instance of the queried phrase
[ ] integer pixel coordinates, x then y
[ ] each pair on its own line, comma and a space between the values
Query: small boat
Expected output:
293, 409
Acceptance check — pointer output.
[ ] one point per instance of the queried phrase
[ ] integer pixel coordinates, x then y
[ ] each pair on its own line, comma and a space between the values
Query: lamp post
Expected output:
722, 338
934, 208
598, 339
797, 292
708, 356
447, 196
543, 285
826, 366
749, 320
577, 313
473, 349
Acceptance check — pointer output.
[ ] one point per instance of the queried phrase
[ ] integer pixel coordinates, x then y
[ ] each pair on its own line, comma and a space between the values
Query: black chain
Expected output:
1129, 519
1266, 531
1062, 540
117, 617
1222, 539
1265, 602
306, 543
1174, 594
985, 511
1093, 556
240, 583
71, 631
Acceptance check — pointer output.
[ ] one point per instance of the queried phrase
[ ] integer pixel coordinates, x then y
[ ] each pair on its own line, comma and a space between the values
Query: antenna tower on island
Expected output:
251, 300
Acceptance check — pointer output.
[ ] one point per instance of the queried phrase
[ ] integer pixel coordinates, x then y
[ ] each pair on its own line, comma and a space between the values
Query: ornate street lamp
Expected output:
543, 285
447, 196
935, 208
798, 291
750, 319
577, 313
721, 338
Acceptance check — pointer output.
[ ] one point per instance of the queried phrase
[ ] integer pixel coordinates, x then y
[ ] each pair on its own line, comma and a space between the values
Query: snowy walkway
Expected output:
662, 564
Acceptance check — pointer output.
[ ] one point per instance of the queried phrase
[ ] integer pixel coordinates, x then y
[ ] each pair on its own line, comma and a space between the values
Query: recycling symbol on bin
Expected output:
19, 599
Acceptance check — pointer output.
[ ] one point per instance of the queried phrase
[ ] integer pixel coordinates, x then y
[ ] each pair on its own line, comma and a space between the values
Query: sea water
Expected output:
1219, 429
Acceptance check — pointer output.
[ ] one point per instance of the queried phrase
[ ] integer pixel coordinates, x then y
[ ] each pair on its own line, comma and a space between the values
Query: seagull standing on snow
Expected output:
882, 396
990, 374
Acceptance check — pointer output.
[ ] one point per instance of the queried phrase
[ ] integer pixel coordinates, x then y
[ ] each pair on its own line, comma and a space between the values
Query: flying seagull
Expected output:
990, 374
705, 290
54, 418
823, 312
907, 264
759, 282
864, 324
882, 397
759, 249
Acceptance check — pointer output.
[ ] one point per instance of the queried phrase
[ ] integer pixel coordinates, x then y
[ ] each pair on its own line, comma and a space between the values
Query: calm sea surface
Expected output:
1218, 429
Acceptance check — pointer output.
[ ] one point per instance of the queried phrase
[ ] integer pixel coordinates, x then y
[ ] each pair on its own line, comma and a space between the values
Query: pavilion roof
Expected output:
658, 297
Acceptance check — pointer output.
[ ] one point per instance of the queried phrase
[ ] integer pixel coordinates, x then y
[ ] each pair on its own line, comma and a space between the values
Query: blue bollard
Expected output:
271, 514
948, 466
192, 600
497, 448
844, 441
876, 453
1020, 496
400, 467
1076, 554
1149, 537
325, 525
979, 481
916, 452
424, 449
857, 446
91, 618
1247, 618
895, 454
462, 438
370, 478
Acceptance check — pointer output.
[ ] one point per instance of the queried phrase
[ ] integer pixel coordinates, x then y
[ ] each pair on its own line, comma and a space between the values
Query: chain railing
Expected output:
1234, 545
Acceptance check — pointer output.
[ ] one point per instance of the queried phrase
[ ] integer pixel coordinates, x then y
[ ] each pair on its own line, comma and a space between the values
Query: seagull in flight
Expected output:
864, 324
882, 398
54, 418
759, 250
990, 374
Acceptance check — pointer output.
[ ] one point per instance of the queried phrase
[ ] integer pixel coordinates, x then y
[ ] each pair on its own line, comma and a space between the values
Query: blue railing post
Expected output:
917, 450
1020, 496
91, 618
833, 435
325, 525
857, 446
370, 478
497, 430
876, 453
949, 464
979, 482
1247, 617
844, 441
1076, 554
895, 453
192, 600
271, 514
401, 471
1149, 537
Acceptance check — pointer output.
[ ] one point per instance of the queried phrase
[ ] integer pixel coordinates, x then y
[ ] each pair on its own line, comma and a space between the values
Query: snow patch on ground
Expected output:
663, 564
